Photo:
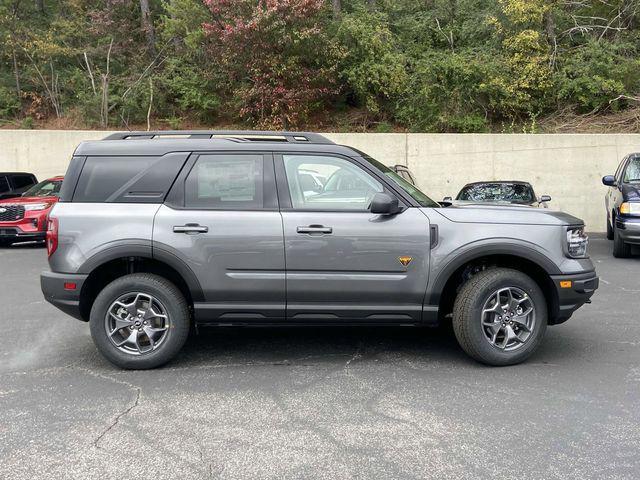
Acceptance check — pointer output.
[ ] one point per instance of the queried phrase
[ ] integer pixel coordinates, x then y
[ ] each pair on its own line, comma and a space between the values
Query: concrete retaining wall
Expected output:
567, 167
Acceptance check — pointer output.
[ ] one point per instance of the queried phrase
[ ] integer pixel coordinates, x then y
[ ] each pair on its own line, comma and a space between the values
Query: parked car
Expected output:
623, 206
151, 235
510, 192
24, 218
14, 184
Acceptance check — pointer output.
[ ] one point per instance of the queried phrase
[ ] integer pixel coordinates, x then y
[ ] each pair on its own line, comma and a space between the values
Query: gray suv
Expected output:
156, 232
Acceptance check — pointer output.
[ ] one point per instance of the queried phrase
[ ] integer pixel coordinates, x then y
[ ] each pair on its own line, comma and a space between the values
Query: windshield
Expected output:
497, 192
412, 190
632, 173
48, 188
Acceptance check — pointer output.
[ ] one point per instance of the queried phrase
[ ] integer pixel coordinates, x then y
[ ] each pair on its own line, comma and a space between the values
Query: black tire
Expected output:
609, 229
620, 248
5, 243
177, 311
467, 316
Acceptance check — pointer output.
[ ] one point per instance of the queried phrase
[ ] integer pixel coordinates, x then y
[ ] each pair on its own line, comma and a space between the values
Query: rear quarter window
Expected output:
127, 179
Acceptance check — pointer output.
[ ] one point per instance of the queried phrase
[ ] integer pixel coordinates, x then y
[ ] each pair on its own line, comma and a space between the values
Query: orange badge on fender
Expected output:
405, 260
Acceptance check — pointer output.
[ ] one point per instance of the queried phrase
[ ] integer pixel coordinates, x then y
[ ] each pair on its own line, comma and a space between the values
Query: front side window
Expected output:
328, 183
48, 188
226, 182
632, 173
408, 187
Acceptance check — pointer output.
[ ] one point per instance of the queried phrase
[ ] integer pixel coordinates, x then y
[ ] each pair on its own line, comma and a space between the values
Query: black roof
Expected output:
17, 173
163, 142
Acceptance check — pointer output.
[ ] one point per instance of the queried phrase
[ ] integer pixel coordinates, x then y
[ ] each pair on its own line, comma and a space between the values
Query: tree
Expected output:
276, 55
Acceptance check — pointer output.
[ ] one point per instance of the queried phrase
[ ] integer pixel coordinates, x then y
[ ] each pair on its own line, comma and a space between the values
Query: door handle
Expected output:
190, 229
315, 229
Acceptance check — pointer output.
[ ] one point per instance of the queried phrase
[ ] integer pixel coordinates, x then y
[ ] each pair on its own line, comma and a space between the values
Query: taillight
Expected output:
52, 235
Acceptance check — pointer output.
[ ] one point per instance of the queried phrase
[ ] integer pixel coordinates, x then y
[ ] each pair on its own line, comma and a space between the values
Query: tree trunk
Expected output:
337, 7
147, 26
16, 73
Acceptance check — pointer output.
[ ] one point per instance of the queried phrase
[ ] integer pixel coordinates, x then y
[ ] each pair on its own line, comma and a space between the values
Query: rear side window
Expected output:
22, 182
128, 179
226, 182
4, 185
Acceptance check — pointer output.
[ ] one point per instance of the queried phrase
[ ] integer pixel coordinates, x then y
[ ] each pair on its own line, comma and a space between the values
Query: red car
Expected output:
25, 218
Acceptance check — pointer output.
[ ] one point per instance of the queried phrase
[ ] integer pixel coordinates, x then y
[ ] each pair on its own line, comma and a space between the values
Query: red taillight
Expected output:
70, 285
52, 235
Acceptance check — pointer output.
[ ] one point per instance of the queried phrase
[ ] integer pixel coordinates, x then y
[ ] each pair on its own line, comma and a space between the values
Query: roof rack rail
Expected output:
245, 135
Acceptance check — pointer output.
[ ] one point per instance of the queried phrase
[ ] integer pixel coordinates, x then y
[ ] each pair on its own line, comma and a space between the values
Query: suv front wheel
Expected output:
500, 316
139, 321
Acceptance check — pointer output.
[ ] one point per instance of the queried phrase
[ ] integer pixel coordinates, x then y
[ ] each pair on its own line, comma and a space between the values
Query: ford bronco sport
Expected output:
156, 231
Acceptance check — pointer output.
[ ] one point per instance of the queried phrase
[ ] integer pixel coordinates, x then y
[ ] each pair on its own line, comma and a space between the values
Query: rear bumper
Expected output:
56, 288
583, 286
629, 229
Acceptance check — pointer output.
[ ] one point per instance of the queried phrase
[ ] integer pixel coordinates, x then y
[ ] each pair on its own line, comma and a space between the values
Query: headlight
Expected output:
630, 208
577, 242
30, 207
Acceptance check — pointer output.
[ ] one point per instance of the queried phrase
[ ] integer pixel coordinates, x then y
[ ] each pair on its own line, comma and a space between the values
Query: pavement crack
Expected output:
116, 420
356, 355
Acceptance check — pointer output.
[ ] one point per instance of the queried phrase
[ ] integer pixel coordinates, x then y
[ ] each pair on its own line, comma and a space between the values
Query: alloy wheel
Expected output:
508, 318
137, 323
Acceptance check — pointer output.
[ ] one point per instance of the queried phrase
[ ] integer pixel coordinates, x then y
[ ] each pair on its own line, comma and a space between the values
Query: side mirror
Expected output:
384, 204
545, 198
447, 199
609, 180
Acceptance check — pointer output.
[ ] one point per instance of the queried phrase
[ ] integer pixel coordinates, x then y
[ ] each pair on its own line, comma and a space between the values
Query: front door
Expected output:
343, 262
221, 220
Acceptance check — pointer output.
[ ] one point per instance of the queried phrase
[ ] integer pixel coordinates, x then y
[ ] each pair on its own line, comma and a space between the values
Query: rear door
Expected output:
344, 263
221, 219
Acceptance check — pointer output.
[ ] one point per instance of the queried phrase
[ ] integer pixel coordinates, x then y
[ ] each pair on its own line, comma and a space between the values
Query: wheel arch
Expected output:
525, 259
114, 264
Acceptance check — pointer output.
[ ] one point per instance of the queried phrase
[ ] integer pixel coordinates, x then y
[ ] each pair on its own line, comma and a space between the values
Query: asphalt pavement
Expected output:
332, 403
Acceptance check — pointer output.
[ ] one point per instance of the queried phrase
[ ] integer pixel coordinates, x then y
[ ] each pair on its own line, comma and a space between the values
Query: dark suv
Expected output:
623, 205
155, 231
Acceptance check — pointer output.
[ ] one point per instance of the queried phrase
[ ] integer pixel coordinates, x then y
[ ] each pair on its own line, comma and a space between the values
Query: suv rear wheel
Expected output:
500, 316
139, 321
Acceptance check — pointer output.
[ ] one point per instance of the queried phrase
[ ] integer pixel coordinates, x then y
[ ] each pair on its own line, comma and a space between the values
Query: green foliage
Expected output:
383, 65
9, 102
372, 65
597, 73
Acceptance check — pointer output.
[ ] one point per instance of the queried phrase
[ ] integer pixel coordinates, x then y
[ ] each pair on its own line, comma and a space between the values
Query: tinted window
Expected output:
632, 173
103, 179
328, 183
497, 192
45, 189
226, 182
4, 185
21, 182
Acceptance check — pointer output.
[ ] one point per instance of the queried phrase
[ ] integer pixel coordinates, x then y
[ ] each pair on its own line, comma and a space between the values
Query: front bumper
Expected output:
570, 298
629, 229
29, 228
57, 290
17, 235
